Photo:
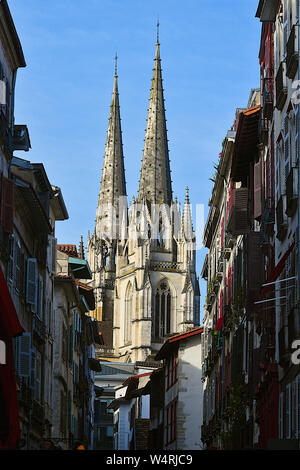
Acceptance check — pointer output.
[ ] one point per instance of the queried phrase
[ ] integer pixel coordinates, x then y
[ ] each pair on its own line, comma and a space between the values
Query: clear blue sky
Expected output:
209, 51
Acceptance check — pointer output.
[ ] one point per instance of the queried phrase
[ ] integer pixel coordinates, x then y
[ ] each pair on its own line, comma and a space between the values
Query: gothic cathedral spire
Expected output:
113, 182
155, 180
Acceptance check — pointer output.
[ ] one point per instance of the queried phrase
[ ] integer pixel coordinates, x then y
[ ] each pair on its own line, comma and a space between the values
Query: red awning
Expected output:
9, 322
277, 270
219, 323
9, 327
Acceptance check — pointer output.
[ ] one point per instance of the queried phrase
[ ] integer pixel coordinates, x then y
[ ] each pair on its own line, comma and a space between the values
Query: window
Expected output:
162, 318
170, 427
64, 338
128, 314
171, 371
7, 205
38, 367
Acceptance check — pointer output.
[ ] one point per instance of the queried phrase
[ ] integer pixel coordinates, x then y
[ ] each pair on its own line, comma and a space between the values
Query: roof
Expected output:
19, 55
173, 341
70, 250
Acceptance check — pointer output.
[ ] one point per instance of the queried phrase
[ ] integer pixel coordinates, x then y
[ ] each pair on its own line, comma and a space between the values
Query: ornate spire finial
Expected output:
157, 31
116, 65
81, 248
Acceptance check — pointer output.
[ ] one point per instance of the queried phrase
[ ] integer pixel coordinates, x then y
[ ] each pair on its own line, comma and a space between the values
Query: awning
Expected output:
80, 268
245, 149
9, 321
277, 270
37, 211
9, 328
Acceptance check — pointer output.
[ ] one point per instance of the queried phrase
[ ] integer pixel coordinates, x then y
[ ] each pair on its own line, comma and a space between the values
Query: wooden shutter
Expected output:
24, 355
238, 216
40, 289
54, 248
31, 288
33, 369
258, 189
7, 205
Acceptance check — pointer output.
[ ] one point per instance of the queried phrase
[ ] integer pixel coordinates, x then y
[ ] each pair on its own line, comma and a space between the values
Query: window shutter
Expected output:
71, 345
222, 233
286, 151
17, 266
54, 248
23, 345
31, 288
33, 369
10, 266
257, 189
281, 416
40, 297
7, 205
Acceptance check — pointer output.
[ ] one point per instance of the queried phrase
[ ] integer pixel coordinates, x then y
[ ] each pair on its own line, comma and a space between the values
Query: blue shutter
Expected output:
31, 288
33, 368
23, 348
40, 297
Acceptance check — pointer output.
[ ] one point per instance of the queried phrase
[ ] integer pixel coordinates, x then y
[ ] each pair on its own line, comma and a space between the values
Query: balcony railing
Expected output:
281, 87
39, 329
291, 55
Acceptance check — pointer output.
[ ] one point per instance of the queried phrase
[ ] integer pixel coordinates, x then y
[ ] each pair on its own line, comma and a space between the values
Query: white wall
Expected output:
190, 395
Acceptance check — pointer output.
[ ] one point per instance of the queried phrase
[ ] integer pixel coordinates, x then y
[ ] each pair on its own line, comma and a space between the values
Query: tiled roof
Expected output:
70, 250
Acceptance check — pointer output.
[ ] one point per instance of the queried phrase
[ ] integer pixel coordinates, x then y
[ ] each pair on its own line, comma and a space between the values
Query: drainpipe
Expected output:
298, 24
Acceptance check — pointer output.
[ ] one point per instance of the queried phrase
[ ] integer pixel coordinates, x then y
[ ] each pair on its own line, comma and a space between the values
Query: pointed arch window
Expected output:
128, 314
162, 320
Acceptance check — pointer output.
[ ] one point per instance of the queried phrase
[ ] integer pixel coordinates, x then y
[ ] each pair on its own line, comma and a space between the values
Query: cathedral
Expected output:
142, 257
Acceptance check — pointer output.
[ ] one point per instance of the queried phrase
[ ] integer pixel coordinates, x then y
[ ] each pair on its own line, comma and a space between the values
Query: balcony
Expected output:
267, 10
292, 192
21, 140
281, 218
39, 330
238, 216
281, 87
267, 97
291, 55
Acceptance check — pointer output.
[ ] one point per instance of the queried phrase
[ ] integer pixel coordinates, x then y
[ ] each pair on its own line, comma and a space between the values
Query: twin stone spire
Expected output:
155, 184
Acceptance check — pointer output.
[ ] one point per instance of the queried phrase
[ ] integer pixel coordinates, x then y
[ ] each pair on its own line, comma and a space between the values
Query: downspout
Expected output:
298, 24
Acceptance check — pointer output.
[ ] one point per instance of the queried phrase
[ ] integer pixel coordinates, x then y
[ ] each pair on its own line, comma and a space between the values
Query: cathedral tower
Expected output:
156, 288
102, 244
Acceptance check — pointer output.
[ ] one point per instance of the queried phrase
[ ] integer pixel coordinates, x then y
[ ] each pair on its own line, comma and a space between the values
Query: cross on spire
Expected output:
116, 65
157, 31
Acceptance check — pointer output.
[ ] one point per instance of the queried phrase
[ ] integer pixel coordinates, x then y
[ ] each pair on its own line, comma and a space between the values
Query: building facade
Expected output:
251, 387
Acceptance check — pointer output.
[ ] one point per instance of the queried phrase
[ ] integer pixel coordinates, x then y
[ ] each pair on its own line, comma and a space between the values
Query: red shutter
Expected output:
7, 205
222, 232
230, 200
257, 190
